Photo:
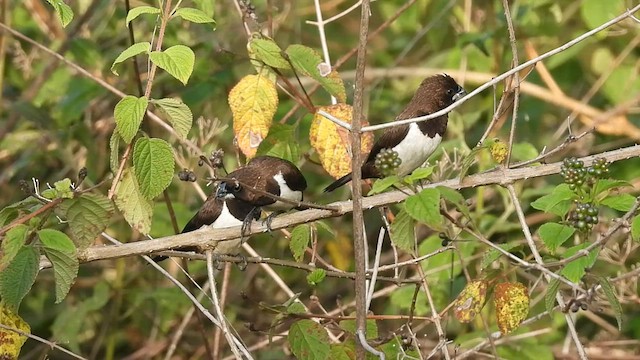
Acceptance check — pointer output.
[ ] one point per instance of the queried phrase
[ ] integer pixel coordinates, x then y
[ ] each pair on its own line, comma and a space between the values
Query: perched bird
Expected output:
414, 142
220, 212
266, 174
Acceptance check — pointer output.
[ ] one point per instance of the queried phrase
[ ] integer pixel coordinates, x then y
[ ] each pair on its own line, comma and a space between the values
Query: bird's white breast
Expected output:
285, 192
225, 220
415, 149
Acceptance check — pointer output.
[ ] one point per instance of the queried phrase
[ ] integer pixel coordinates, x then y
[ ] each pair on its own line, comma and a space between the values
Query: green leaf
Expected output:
129, 113
609, 291
296, 307
154, 165
553, 235
300, 237
607, 184
194, 15
454, 197
403, 232
425, 207
575, 270
114, 158
278, 143
621, 202
550, 295
597, 12
63, 189
523, 151
177, 60
635, 228
305, 60
309, 340
13, 241
316, 276
383, 184
342, 352
135, 208
419, 174
88, 215
558, 202
492, 255
18, 278
60, 250
63, 11
267, 51
137, 11
178, 114
131, 51
371, 328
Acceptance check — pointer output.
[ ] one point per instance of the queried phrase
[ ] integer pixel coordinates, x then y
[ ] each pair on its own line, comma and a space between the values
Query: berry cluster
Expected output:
575, 174
584, 216
387, 161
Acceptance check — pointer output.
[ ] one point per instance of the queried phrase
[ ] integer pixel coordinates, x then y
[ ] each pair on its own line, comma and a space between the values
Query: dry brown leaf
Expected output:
332, 142
253, 103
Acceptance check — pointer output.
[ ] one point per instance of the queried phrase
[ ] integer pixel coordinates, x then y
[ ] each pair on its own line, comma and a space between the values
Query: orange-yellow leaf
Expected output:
470, 301
253, 103
512, 305
10, 341
333, 142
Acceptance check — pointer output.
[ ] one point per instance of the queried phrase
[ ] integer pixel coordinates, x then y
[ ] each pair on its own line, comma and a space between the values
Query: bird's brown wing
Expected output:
207, 214
389, 138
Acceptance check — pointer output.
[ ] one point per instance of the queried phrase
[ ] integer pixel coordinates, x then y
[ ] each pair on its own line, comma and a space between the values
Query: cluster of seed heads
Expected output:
575, 174
584, 216
577, 305
387, 161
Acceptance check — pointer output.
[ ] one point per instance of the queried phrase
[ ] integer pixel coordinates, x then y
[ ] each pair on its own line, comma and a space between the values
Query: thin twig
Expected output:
42, 340
516, 80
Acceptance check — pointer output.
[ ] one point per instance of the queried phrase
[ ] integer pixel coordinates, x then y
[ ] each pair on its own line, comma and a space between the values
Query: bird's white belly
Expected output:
226, 220
415, 149
285, 192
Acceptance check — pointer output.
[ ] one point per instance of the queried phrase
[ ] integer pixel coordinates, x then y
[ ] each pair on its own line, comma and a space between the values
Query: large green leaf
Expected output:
88, 215
177, 60
558, 202
129, 113
137, 11
154, 165
267, 51
403, 232
194, 15
12, 243
63, 11
553, 234
61, 251
425, 207
575, 270
307, 61
610, 292
300, 237
131, 51
136, 208
279, 143
309, 340
17, 279
178, 114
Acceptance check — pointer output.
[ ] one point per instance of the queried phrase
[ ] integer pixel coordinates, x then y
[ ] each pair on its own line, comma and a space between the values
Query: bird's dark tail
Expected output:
336, 184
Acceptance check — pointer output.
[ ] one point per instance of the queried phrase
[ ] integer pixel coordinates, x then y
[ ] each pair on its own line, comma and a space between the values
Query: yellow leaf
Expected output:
470, 301
341, 252
10, 341
512, 305
333, 142
253, 103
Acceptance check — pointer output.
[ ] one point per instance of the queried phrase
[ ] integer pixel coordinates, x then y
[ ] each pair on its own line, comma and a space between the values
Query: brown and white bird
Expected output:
414, 142
267, 174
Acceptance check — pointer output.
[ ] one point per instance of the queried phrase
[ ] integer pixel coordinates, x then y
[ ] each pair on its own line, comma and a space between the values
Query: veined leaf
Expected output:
332, 142
278, 143
17, 279
308, 62
63, 11
60, 250
635, 228
154, 165
114, 158
300, 237
575, 270
620, 202
316, 276
558, 202
177, 60
403, 232
553, 235
137, 11
131, 51
512, 305
550, 295
267, 51
253, 102
129, 113
88, 215
135, 208
470, 301
11, 342
383, 184
13, 241
609, 291
178, 114
309, 340
194, 15
425, 207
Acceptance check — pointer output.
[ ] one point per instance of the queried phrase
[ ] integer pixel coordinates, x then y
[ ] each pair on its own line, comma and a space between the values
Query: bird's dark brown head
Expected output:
434, 94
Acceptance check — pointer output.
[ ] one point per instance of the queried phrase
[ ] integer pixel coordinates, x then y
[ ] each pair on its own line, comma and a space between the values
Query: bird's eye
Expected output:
236, 187
450, 92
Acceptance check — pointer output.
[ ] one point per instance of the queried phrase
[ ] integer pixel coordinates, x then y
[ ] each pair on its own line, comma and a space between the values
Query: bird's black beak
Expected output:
459, 94
222, 190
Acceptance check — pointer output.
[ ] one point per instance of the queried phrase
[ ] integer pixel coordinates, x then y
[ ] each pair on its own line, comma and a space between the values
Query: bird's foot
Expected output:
242, 265
246, 223
269, 219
